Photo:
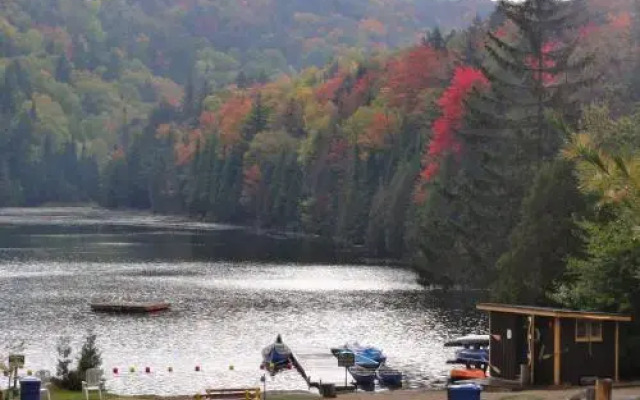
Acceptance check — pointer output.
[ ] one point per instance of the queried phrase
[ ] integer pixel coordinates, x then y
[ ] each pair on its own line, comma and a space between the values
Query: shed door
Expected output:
543, 351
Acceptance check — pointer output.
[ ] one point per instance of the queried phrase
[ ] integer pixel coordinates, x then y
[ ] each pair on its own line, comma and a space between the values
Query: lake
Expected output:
232, 291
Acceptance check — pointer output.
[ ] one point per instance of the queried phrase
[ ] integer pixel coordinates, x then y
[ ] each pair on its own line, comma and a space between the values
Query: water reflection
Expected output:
232, 291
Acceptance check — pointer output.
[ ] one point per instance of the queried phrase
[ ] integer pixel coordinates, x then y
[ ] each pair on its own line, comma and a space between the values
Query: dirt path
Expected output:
564, 394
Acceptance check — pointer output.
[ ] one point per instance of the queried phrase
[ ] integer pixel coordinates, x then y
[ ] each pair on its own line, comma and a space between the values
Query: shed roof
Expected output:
552, 312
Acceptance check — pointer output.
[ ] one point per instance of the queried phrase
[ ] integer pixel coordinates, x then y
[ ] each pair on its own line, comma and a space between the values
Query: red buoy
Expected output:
289, 366
115, 370
147, 369
197, 368
170, 369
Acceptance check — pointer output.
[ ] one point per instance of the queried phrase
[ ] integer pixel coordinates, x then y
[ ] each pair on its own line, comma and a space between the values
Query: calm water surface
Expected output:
232, 291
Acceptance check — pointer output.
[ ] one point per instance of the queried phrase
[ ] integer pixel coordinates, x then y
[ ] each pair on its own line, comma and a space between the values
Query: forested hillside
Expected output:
502, 154
79, 77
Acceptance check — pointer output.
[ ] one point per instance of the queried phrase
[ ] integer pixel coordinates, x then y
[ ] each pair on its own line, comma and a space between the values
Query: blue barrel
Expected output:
29, 388
464, 392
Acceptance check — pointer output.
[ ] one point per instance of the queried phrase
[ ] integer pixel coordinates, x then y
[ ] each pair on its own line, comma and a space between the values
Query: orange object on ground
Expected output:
471, 373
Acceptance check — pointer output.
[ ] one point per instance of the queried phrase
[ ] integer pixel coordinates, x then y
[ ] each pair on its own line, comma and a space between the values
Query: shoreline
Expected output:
626, 392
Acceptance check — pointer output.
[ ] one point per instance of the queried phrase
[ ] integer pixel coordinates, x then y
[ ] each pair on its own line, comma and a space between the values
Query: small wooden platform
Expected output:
130, 308
236, 393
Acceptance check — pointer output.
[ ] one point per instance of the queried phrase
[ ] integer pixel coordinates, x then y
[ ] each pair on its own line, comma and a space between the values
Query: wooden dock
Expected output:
237, 393
130, 308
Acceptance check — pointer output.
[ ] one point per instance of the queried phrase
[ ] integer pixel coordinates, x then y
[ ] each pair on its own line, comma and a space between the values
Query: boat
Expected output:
474, 355
276, 357
389, 377
369, 352
363, 376
461, 374
366, 356
470, 340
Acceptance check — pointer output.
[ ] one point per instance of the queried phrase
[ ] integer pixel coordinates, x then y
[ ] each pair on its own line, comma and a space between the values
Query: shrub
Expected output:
90, 357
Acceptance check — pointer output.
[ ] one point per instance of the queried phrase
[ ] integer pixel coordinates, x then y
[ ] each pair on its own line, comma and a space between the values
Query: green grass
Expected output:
63, 394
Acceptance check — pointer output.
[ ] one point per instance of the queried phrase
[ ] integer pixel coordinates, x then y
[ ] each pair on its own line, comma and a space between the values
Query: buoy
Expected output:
170, 369
29, 372
115, 370
231, 367
132, 369
289, 366
197, 368
147, 370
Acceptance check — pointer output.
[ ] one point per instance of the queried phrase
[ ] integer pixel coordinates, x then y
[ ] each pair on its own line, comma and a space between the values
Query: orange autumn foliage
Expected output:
185, 149
409, 75
373, 26
163, 131
231, 117
328, 89
375, 136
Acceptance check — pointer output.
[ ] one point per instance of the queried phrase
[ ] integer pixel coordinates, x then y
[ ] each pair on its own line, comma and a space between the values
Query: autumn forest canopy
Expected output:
488, 145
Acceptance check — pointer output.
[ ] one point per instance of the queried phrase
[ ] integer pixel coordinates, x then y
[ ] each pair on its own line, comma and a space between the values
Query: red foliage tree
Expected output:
410, 74
444, 128
327, 91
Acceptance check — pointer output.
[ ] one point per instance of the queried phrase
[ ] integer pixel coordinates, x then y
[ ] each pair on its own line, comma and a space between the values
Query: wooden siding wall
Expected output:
587, 359
507, 354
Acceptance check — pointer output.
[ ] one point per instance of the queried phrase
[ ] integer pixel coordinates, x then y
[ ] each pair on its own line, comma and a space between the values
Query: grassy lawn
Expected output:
61, 394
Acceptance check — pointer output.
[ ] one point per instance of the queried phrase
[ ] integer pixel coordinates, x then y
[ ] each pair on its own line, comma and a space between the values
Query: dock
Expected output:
130, 308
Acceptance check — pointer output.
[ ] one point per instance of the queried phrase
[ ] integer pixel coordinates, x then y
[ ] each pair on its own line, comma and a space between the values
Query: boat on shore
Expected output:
366, 356
474, 355
389, 377
276, 357
362, 376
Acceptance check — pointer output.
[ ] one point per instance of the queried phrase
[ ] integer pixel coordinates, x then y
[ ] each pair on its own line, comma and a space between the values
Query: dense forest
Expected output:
491, 147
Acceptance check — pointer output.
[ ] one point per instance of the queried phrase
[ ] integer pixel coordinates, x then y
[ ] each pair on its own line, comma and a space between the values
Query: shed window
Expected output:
588, 331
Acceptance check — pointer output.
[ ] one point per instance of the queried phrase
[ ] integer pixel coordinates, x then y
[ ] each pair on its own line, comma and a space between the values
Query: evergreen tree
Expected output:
434, 39
63, 69
242, 81
257, 119
546, 236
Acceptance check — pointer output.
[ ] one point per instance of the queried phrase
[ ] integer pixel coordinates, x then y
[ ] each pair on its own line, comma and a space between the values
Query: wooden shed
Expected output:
559, 346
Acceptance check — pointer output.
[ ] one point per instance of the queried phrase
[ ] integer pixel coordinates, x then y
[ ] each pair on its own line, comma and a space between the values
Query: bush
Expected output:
90, 357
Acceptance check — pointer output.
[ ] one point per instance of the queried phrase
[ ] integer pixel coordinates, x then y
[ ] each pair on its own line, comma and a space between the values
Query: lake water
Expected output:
232, 291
